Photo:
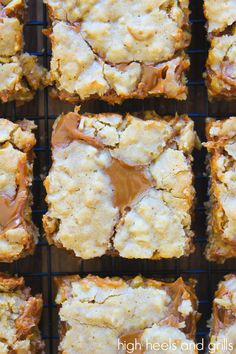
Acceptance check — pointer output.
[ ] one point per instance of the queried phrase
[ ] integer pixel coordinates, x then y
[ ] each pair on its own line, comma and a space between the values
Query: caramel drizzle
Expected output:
12, 210
178, 291
67, 130
128, 181
153, 78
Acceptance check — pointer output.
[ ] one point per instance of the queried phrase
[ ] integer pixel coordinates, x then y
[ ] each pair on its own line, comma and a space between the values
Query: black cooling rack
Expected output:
48, 262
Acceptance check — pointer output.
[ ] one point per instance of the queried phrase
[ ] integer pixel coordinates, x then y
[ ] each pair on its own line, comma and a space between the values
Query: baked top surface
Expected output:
114, 311
221, 63
126, 54
148, 32
20, 73
11, 29
11, 36
219, 14
221, 222
127, 191
19, 316
223, 322
17, 232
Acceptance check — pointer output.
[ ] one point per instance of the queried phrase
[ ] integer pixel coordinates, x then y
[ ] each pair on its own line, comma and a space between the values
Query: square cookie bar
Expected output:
118, 314
221, 145
221, 63
11, 28
20, 313
119, 49
18, 234
223, 321
121, 185
20, 73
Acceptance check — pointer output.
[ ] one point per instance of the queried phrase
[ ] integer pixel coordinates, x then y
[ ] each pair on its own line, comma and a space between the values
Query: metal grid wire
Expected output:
48, 262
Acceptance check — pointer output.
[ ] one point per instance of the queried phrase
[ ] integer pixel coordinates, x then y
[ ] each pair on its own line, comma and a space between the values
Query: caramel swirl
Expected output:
153, 78
128, 181
179, 291
67, 130
12, 210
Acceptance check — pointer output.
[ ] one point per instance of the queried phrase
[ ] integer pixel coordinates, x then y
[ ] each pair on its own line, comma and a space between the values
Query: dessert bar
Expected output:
121, 185
116, 50
123, 314
221, 63
20, 73
20, 313
18, 234
221, 145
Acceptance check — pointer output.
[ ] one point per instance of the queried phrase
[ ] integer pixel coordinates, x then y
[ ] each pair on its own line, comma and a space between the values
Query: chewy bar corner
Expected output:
221, 145
20, 313
20, 73
18, 234
223, 320
117, 50
130, 193
119, 315
221, 63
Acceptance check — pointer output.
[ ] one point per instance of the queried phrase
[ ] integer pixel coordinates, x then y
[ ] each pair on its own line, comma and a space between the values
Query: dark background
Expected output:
48, 262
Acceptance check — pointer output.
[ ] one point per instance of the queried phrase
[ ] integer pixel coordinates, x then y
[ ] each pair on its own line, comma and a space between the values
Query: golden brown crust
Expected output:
221, 136
178, 291
22, 315
9, 283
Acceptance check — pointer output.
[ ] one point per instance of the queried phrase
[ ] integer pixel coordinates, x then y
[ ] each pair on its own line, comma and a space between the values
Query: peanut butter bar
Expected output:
116, 50
221, 63
221, 145
121, 185
20, 73
223, 322
19, 316
18, 234
117, 313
